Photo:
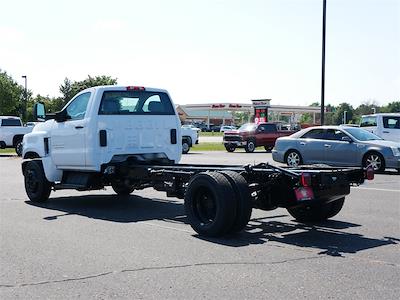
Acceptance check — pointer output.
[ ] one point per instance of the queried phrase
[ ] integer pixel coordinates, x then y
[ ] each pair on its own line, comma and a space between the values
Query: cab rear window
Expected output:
10, 122
135, 103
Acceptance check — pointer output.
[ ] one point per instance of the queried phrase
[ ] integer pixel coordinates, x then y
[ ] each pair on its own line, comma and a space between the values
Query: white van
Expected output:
384, 125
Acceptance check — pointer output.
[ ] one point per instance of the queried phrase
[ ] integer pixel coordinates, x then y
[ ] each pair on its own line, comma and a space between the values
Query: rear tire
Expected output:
268, 148
121, 188
293, 158
37, 187
250, 146
316, 212
243, 199
230, 148
210, 204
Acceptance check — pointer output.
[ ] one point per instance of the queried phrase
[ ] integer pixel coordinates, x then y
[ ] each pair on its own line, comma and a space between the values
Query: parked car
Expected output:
12, 132
337, 146
250, 135
227, 128
191, 126
190, 136
384, 125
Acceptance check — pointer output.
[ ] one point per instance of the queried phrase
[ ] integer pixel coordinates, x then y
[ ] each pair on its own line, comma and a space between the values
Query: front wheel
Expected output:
37, 187
374, 160
316, 212
250, 146
185, 147
18, 148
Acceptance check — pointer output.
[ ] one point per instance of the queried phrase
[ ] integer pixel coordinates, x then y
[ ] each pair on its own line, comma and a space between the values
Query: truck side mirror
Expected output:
39, 112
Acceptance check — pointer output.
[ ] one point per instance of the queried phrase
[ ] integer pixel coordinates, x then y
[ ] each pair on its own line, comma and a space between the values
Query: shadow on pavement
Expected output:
325, 236
328, 236
115, 208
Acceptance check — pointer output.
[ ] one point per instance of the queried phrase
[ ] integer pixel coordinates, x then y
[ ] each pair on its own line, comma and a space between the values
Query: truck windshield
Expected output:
248, 127
362, 135
135, 103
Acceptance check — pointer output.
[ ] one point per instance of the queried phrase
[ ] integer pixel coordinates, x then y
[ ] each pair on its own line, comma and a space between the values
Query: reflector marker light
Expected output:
305, 179
369, 173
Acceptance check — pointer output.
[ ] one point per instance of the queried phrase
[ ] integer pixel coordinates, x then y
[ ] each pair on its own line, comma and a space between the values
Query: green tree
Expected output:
339, 114
70, 88
392, 107
11, 95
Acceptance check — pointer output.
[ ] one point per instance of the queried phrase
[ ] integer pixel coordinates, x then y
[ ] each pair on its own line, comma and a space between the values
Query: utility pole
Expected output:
25, 100
323, 64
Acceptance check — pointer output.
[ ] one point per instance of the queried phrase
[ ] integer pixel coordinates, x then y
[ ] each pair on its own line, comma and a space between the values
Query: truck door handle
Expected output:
385, 131
327, 145
79, 127
302, 143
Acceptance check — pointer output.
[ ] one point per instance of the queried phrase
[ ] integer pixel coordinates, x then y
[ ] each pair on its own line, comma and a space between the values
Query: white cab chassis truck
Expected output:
129, 138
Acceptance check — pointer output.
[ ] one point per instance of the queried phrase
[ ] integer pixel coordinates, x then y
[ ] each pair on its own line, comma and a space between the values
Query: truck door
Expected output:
311, 146
340, 150
68, 137
391, 128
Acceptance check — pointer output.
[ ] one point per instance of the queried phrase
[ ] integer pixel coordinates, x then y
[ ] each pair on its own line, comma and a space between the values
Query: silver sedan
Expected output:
337, 146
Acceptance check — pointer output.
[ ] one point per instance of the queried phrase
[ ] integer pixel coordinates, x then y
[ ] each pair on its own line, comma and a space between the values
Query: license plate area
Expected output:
304, 194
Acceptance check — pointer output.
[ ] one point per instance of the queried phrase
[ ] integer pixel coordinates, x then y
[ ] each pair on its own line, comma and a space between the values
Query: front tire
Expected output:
250, 146
316, 212
37, 187
19, 148
374, 160
185, 147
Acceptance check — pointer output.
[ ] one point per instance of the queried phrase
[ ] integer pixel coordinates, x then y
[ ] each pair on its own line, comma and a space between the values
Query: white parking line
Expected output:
376, 189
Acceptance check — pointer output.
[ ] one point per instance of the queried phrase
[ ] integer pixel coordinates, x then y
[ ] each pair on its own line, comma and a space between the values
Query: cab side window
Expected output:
77, 108
314, 134
334, 135
391, 122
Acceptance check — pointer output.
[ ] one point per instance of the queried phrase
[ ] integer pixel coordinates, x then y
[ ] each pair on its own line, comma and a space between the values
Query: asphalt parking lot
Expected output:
95, 245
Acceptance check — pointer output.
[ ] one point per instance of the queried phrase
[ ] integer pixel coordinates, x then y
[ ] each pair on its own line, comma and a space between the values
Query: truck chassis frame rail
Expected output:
218, 199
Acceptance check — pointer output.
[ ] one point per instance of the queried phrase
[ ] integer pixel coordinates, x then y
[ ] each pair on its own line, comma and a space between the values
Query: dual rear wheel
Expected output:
218, 203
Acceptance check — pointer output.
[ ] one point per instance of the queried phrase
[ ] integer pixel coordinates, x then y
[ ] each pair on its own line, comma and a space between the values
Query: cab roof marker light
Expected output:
135, 88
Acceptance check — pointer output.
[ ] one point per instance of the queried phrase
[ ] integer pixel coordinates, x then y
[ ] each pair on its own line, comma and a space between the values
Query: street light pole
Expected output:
323, 64
344, 116
26, 99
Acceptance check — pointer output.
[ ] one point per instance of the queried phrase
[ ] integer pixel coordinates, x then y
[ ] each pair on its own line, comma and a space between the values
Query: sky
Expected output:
205, 51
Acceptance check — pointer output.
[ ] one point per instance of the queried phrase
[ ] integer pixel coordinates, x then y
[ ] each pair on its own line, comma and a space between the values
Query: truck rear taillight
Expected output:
369, 174
135, 88
305, 179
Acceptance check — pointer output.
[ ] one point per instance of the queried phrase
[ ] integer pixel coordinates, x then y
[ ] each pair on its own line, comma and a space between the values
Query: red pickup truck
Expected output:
250, 135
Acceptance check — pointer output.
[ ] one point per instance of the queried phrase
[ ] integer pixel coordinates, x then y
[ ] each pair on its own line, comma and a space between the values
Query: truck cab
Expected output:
384, 125
106, 124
